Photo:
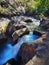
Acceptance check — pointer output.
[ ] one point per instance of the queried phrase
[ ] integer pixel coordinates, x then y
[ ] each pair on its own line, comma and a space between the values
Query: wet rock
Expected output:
11, 62
21, 32
25, 53
10, 29
16, 30
35, 45
3, 38
13, 27
19, 26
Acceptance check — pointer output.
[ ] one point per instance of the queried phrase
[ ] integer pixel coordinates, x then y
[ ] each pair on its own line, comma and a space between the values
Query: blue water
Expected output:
8, 51
29, 38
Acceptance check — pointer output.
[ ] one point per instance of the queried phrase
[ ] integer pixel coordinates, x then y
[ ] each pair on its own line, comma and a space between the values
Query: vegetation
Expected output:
38, 7
31, 6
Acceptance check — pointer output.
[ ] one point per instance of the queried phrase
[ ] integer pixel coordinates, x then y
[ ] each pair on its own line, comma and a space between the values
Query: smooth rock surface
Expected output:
25, 53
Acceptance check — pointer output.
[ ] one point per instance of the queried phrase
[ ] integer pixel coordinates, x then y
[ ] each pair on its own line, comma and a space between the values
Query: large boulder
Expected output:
13, 27
16, 30
25, 53
42, 55
28, 21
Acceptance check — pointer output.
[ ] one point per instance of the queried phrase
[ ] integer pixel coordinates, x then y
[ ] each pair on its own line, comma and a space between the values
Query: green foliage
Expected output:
42, 7
38, 6
32, 6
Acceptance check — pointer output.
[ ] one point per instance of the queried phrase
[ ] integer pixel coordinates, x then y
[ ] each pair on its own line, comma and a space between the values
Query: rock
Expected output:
16, 30
11, 62
40, 33
21, 10
35, 45
22, 22
11, 7
19, 26
43, 56
28, 21
33, 21
41, 51
3, 38
36, 61
10, 29
13, 27
21, 32
3, 24
25, 53
15, 37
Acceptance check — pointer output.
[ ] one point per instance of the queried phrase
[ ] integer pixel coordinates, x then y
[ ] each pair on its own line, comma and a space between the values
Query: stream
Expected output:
7, 51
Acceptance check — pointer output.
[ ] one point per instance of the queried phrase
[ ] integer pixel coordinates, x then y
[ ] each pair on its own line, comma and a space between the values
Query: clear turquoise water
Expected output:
8, 51
29, 38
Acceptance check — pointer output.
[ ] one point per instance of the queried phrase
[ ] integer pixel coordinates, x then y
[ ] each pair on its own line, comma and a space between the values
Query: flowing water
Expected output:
7, 51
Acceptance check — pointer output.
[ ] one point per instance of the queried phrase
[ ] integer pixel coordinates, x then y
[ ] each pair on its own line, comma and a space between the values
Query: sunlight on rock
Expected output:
3, 24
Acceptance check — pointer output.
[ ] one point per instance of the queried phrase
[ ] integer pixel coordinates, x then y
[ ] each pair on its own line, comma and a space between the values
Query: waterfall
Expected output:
17, 47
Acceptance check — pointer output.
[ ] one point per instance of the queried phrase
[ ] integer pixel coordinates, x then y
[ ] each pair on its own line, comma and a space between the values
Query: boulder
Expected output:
16, 30
13, 27
22, 22
21, 32
10, 29
3, 25
19, 26
25, 53
40, 33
